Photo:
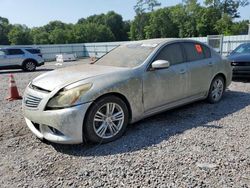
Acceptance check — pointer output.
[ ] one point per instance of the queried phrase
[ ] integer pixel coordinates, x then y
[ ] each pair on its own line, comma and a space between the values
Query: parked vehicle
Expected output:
240, 60
25, 58
134, 81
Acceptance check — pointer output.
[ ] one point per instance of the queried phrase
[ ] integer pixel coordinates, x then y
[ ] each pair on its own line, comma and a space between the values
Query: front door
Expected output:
15, 57
165, 86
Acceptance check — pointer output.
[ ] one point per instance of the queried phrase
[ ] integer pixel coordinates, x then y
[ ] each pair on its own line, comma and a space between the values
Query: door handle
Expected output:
182, 71
210, 64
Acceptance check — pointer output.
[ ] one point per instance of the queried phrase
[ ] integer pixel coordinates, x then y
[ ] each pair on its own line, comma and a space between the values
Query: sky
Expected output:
35, 13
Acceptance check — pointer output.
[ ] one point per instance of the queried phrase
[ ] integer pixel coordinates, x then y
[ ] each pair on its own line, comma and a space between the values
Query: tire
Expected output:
216, 90
99, 125
29, 66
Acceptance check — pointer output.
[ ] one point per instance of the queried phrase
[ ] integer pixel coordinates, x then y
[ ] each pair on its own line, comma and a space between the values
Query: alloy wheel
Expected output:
217, 89
108, 120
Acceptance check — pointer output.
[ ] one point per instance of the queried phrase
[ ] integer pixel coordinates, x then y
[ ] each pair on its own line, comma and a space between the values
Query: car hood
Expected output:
239, 57
65, 76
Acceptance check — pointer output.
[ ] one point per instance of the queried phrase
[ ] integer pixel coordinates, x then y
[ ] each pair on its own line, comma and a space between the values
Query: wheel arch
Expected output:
119, 95
223, 76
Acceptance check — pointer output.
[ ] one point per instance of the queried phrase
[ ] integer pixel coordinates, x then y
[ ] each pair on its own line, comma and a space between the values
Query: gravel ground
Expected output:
199, 145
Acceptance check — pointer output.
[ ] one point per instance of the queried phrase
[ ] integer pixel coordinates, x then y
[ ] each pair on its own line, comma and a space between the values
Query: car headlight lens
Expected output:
68, 97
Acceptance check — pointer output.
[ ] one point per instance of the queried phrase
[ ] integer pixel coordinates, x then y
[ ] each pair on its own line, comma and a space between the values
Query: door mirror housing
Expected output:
160, 64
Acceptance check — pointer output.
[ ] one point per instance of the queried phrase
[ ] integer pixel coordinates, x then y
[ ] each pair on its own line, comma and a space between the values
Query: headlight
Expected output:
68, 97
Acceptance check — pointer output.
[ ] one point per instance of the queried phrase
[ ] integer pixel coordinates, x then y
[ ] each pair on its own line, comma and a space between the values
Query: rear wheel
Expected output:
29, 66
216, 90
106, 120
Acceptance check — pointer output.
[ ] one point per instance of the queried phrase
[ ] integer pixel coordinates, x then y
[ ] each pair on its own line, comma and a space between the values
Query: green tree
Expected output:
230, 7
224, 25
40, 36
112, 20
115, 22
206, 21
4, 30
20, 35
186, 17
137, 29
161, 25
240, 28
141, 20
58, 36
92, 32
54, 25
143, 5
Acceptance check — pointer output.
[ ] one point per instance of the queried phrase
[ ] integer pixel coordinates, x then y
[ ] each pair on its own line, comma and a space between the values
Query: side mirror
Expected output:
160, 64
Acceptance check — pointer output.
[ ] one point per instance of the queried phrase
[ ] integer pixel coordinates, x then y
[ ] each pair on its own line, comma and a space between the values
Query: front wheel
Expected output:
29, 66
106, 120
216, 90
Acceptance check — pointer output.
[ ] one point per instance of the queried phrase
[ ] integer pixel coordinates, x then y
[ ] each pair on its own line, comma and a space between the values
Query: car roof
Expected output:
160, 41
16, 47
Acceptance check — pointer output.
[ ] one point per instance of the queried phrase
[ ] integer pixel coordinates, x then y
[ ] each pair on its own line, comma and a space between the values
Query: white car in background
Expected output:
20, 58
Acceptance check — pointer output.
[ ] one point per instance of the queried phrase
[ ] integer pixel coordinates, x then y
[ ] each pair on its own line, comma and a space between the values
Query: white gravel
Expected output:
199, 145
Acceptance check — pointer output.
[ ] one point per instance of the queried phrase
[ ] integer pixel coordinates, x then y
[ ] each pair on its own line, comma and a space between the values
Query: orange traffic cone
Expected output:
14, 95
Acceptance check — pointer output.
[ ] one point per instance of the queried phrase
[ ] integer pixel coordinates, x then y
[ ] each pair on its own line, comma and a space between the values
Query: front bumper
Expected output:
241, 71
63, 126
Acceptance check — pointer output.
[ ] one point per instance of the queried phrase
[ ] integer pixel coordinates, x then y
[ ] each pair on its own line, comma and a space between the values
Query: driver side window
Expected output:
172, 53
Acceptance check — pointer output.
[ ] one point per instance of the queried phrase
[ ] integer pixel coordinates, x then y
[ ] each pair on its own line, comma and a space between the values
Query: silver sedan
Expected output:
134, 81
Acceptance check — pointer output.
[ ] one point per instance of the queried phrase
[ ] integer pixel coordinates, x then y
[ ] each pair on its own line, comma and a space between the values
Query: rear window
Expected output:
196, 51
14, 52
33, 51
207, 51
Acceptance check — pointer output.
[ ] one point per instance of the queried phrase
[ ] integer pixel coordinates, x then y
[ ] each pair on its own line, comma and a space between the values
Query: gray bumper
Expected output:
62, 126
59, 126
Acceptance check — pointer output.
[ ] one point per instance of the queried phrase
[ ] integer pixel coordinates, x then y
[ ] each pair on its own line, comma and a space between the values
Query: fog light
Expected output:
55, 131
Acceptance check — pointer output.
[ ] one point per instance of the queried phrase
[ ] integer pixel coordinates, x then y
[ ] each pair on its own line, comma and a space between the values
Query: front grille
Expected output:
32, 101
240, 63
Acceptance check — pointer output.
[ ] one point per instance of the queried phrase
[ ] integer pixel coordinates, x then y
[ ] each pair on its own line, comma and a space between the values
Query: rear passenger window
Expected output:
33, 51
207, 52
15, 52
195, 51
171, 53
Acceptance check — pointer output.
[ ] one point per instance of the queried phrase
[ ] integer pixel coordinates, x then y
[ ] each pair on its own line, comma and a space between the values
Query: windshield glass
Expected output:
130, 55
244, 48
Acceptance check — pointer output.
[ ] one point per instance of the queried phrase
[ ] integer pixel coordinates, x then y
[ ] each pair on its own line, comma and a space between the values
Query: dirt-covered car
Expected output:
134, 81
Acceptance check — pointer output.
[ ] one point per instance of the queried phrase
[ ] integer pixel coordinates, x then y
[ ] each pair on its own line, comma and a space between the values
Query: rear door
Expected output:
200, 67
165, 86
15, 57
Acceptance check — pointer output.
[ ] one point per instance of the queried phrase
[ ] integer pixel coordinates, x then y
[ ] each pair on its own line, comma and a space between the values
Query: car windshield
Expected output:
242, 49
130, 55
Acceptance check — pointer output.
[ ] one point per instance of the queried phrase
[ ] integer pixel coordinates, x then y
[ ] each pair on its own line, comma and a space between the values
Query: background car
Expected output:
133, 81
240, 60
25, 58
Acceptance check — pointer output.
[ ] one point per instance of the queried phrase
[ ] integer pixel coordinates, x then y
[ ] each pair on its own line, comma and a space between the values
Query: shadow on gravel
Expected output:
244, 80
21, 71
158, 128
